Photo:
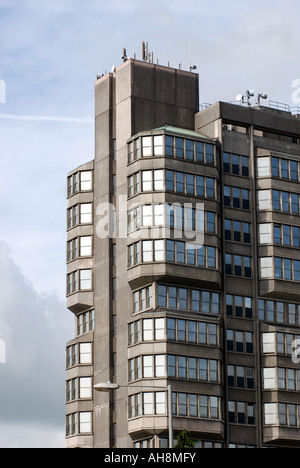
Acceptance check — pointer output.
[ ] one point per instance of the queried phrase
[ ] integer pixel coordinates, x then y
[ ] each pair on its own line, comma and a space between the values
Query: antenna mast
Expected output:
146, 55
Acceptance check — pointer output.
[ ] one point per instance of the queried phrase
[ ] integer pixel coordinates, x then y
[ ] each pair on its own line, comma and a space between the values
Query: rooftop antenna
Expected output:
261, 96
245, 99
124, 58
192, 67
146, 55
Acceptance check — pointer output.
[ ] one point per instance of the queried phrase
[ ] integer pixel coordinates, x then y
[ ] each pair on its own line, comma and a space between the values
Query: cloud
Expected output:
30, 436
35, 328
45, 118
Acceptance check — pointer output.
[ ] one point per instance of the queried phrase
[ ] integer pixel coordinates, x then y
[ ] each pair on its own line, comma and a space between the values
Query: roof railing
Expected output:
281, 106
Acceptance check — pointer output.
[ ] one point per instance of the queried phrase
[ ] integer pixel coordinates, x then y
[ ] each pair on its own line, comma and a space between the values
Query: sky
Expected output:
50, 54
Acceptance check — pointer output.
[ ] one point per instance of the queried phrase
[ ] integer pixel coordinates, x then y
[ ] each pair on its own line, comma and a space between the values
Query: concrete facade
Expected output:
151, 308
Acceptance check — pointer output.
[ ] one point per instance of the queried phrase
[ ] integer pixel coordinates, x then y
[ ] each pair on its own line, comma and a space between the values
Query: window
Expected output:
294, 168
295, 203
236, 164
179, 182
159, 328
173, 181
162, 296
240, 342
245, 199
85, 353
210, 188
199, 151
189, 149
182, 298
284, 168
268, 343
79, 423
263, 167
200, 406
238, 306
285, 201
72, 216
265, 233
154, 403
72, 282
264, 200
241, 412
240, 377
271, 414
275, 167
72, 249
209, 154
147, 215
210, 222
147, 146
169, 146
137, 150
179, 148
85, 246
85, 322
158, 145
159, 215
85, 213
283, 268
142, 299
237, 231
200, 187
73, 186
158, 180
80, 181
189, 331
130, 152
85, 423
276, 200
237, 265
146, 330
180, 250
147, 253
190, 181
170, 181
85, 387
159, 250
85, 279
296, 236
211, 257
266, 267
236, 197
282, 414
147, 181
86, 180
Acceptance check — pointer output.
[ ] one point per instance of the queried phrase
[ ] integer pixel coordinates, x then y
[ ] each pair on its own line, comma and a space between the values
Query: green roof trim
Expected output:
182, 131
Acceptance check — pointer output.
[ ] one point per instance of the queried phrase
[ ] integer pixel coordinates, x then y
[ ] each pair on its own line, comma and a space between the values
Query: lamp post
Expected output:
108, 386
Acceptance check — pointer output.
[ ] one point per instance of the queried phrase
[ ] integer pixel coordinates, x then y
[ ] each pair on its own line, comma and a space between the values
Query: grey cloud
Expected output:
35, 328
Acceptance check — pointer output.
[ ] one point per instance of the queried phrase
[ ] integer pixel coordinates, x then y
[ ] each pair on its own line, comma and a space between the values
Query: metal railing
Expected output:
280, 106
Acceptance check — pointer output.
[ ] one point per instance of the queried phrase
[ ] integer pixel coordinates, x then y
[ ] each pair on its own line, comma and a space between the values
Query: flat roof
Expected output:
182, 131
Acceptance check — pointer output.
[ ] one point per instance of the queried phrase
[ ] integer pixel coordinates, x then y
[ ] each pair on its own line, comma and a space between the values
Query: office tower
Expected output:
183, 268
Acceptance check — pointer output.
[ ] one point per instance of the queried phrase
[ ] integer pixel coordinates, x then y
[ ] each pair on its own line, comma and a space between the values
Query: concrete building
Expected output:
193, 279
